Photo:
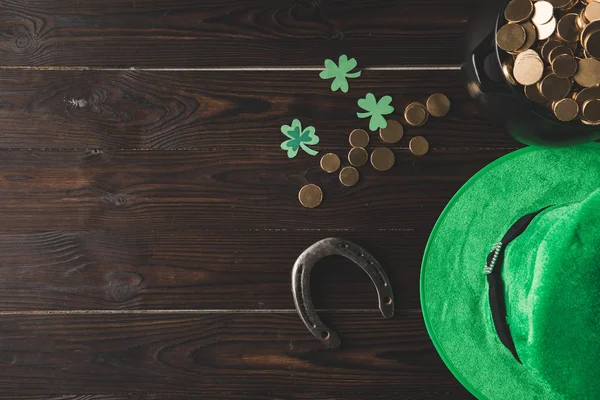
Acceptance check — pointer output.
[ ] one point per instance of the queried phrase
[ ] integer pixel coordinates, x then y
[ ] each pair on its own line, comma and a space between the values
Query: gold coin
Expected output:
358, 156
562, 4
591, 110
542, 13
554, 87
531, 36
518, 10
591, 12
528, 69
587, 94
592, 44
567, 28
382, 159
359, 138
419, 146
547, 47
592, 27
393, 133
566, 109
564, 66
560, 50
438, 104
533, 93
586, 122
416, 114
507, 69
588, 72
349, 176
310, 196
330, 163
546, 30
511, 37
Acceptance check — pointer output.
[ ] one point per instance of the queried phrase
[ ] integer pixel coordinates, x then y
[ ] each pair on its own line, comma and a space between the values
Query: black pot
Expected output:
503, 103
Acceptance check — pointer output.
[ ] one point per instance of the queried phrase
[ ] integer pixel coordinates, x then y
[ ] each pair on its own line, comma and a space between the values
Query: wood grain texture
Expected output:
222, 190
209, 33
195, 270
171, 110
270, 354
448, 394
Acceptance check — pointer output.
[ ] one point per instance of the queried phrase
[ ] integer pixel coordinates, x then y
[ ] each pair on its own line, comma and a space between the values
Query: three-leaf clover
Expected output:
299, 138
376, 110
340, 72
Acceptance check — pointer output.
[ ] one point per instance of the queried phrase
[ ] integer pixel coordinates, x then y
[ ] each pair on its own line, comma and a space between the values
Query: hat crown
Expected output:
551, 277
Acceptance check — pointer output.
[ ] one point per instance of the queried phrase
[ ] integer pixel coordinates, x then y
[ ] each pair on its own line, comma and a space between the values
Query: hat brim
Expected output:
454, 291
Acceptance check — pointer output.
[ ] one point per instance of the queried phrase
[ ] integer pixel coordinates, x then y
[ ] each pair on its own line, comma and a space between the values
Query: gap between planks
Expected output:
223, 69
194, 312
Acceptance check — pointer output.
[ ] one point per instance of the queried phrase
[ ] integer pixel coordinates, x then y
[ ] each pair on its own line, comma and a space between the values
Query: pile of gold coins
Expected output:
381, 158
554, 48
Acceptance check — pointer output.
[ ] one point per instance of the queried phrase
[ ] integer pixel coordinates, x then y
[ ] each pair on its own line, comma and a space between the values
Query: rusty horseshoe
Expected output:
301, 283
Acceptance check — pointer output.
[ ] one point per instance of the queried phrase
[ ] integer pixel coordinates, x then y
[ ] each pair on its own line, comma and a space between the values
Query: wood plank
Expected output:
222, 190
262, 354
245, 110
455, 394
195, 270
215, 33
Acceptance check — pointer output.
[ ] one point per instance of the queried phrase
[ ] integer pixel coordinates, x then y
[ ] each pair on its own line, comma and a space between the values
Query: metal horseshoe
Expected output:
301, 283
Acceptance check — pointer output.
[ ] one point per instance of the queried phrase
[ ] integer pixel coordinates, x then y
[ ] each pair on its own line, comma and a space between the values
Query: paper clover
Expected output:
299, 138
340, 72
376, 110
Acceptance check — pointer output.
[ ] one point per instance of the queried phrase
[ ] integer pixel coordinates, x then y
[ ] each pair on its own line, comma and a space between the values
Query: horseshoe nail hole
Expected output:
325, 335
387, 300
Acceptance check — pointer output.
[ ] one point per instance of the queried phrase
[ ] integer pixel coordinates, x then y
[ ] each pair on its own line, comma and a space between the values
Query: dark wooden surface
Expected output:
205, 110
149, 221
217, 33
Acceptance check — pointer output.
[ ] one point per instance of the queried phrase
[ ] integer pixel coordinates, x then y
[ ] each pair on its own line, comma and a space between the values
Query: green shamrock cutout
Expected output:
340, 72
376, 110
299, 138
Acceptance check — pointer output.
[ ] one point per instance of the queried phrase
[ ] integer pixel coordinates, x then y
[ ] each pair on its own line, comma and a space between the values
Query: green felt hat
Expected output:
510, 283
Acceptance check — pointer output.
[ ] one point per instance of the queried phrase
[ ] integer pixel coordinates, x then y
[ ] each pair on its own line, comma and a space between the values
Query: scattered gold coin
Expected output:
393, 133
416, 114
358, 156
349, 176
359, 138
310, 196
330, 163
438, 104
419, 146
382, 159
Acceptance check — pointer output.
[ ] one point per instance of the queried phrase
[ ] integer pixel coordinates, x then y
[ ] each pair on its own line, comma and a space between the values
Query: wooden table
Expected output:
150, 220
